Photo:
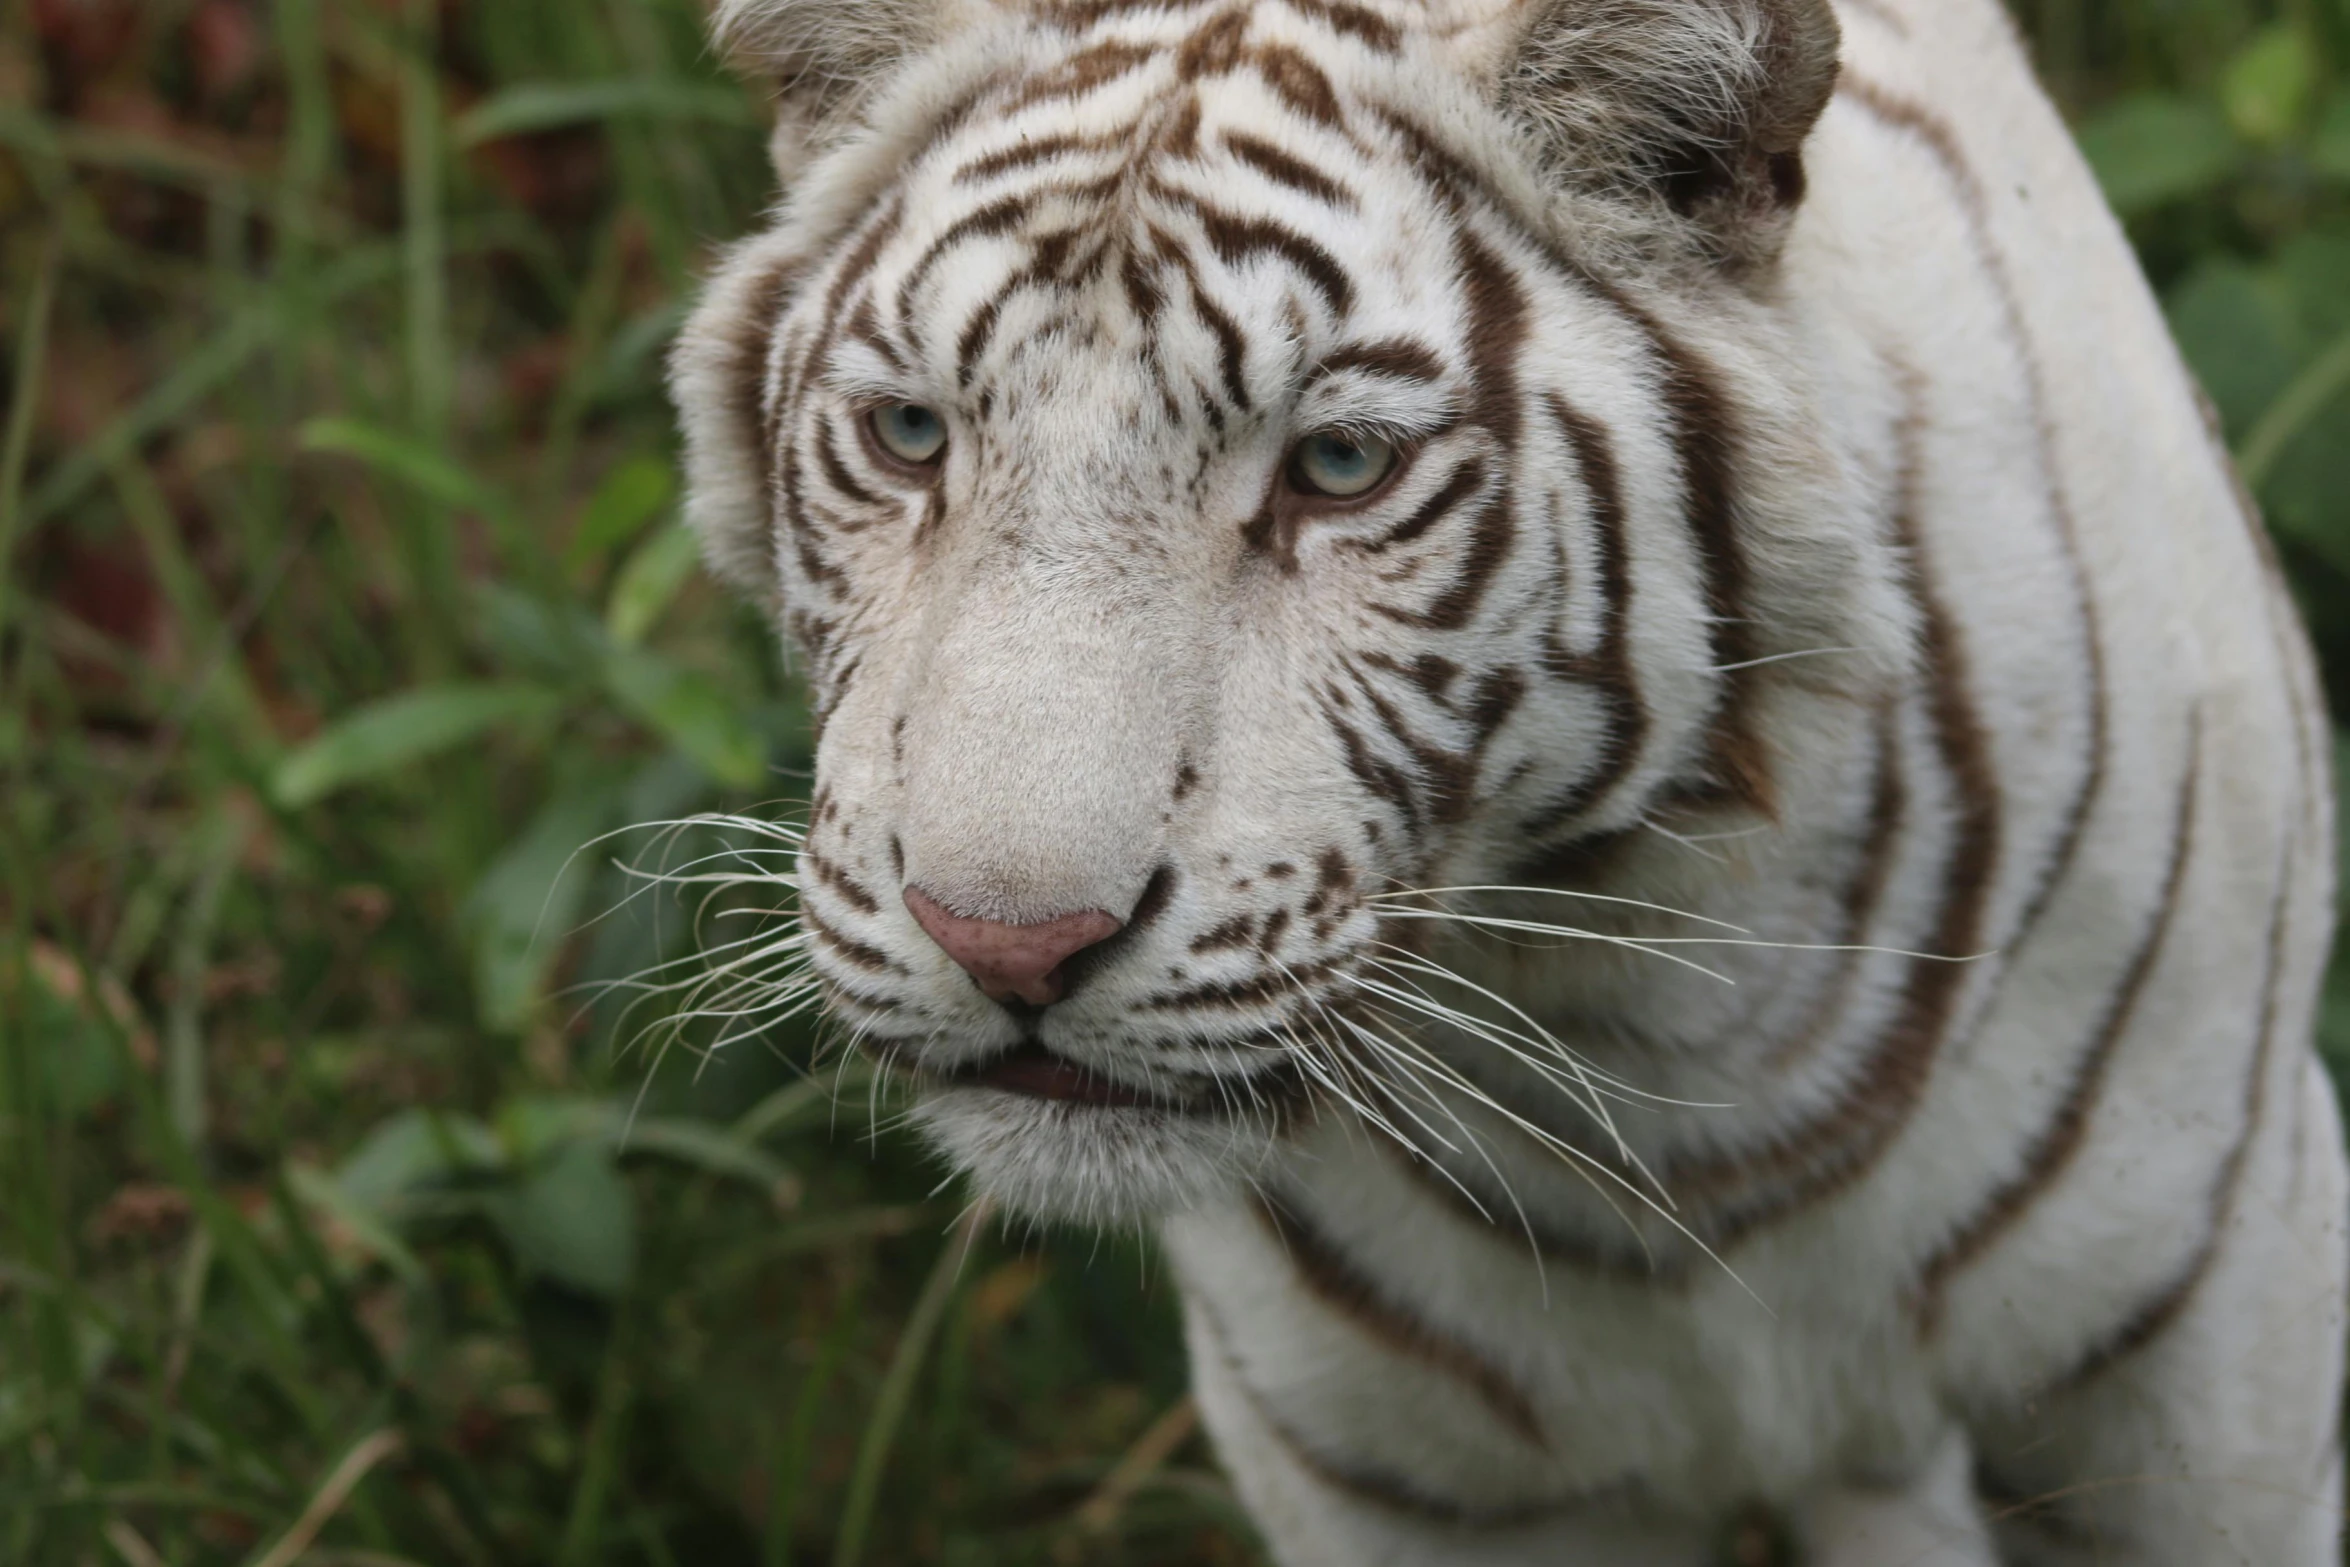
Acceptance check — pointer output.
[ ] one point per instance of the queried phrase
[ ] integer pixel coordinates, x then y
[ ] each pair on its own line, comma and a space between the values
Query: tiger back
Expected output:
1571, 684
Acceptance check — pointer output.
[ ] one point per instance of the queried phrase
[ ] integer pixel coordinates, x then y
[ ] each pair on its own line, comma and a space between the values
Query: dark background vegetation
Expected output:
344, 599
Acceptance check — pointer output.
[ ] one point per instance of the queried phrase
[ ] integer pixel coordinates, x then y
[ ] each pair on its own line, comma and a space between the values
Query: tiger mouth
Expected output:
1031, 1071
1034, 1072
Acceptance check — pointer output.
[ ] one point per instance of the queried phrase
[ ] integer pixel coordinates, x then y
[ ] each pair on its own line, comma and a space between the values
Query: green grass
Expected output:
344, 600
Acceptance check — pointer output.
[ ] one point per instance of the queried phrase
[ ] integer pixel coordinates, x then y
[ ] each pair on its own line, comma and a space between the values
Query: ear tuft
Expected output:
824, 57
1700, 105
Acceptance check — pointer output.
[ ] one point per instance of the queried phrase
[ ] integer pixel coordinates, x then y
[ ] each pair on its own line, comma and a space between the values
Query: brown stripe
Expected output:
820, 571
864, 327
836, 472
1707, 444
1610, 666
858, 264
1000, 216
1231, 348
1081, 74
749, 345
2059, 1143
1298, 82
1026, 153
1383, 1489
839, 881
1463, 482
871, 959
1448, 778
1497, 311
1079, 15
1837, 1148
1377, 777
1705, 439
2296, 656
1283, 169
1398, 357
1584, 1253
2170, 1302
1367, 27
1215, 49
1937, 137
1490, 539
1888, 814
1236, 240
836, 992
1332, 1279
1271, 985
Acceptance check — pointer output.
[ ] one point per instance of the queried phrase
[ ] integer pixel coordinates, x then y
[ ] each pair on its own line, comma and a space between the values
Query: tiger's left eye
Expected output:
909, 432
1340, 465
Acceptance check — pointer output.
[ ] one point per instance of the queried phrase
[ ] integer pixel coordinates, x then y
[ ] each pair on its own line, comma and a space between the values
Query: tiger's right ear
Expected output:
824, 57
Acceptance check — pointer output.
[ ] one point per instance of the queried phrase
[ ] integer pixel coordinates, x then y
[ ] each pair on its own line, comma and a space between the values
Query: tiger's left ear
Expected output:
823, 57
1701, 106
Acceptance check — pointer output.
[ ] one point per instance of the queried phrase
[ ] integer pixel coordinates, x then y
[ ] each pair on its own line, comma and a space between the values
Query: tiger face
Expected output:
1217, 492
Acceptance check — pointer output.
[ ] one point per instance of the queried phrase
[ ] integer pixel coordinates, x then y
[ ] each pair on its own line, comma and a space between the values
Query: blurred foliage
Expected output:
374, 1190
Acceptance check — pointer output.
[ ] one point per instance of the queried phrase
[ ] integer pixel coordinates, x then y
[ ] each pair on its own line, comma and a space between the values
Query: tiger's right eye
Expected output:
1340, 466
909, 432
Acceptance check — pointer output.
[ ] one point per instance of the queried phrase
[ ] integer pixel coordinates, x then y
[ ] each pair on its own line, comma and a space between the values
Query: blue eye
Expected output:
909, 432
1341, 465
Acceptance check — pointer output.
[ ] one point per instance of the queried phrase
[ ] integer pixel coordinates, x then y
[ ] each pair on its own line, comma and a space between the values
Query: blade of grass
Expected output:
309, 146
196, 374
1166, 1435
897, 1388
24, 402
332, 1493
2310, 394
528, 107
425, 244
183, 1058
131, 1545
583, 1526
788, 1476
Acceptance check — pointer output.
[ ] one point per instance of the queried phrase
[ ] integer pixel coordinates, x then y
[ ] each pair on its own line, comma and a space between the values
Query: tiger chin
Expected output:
1571, 685
1099, 1165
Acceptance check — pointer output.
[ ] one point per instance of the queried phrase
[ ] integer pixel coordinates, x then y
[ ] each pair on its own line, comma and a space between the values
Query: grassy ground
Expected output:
343, 602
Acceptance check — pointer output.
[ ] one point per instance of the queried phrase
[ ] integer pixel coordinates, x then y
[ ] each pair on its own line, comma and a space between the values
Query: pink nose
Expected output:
1012, 962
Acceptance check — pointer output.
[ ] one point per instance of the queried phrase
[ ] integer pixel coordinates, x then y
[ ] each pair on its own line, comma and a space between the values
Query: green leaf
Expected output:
536, 1125
2269, 87
414, 1150
363, 1223
2299, 457
632, 494
197, 373
2313, 270
544, 106
714, 1150
402, 729
649, 583
2154, 148
2329, 149
692, 712
573, 1219
2235, 326
560, 643
526, 903
406, 461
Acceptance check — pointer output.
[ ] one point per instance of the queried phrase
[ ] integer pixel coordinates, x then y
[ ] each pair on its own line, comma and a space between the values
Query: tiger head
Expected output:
1226, 464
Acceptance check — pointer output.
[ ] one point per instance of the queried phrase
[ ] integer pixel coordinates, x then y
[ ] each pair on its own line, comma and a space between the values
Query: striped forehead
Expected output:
1209, 198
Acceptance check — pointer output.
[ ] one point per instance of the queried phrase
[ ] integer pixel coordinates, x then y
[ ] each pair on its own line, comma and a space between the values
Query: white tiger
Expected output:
1358, 558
